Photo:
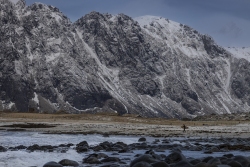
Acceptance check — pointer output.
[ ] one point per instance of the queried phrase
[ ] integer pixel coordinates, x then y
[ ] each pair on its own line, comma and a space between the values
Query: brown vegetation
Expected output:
106, 117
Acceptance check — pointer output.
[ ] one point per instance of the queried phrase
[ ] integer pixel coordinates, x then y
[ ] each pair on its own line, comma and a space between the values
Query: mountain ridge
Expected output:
149, 65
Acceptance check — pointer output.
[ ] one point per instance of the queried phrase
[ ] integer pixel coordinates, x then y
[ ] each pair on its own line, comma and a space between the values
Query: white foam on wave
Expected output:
10, 139
23, 158
37, 158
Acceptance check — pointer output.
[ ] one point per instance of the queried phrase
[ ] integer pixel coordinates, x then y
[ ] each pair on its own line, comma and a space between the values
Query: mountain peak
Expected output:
150, 66
21, 4
149, 20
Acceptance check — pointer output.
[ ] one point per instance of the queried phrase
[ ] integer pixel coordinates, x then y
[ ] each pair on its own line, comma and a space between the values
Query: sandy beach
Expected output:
117, 125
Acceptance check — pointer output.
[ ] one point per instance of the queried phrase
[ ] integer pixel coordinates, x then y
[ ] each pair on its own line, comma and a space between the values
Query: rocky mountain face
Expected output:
149, 66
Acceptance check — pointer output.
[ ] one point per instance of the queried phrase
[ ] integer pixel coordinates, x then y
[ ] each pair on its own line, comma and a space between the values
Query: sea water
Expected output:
23, 158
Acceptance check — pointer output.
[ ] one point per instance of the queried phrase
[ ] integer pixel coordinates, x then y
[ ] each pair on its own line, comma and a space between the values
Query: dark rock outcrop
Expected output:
113, 63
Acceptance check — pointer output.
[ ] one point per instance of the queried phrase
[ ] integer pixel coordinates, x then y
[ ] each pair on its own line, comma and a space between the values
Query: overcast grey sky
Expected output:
227, 21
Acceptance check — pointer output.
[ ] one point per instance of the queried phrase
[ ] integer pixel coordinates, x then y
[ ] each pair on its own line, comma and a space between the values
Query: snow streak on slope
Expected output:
153, 66
240, 53
112, 74
175, 35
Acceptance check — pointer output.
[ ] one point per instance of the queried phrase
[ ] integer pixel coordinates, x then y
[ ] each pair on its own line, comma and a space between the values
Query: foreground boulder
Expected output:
143, 158
92, 159
2, 149
175, 157
52, 164
82, 147
111, 159
67, 162
142, 139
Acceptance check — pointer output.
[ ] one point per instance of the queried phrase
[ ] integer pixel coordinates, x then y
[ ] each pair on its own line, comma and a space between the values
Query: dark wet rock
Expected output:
160, 150
156, 156
67, 162
175, 157
82, 147
242, 160
203, 164
142, 139
106, 145
224, 160
176, 149
94, 158
12, 149
63, 151
105, 135
101, 155
97, 148
214, 161
163, 156
165, 141
157, 141
20, 147
46, 148
115, 153
141, 164
110, 165
111, 159
196, 148
143, 158
66, 145
182, 163
195, 161
91, 160
207, 159
125, 150
141, 145
2, 149
83, 143
234, 164
118, 147
160, 164
52, 164
150, 152
208, 152
214, 149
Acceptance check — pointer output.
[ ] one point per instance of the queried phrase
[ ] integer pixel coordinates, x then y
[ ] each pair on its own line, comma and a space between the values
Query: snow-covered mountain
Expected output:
240, 53
149, 65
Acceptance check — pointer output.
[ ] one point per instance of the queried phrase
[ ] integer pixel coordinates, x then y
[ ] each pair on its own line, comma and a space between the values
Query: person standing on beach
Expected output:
184, 127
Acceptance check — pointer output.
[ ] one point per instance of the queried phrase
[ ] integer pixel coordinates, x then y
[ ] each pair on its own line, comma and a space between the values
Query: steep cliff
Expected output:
149, 65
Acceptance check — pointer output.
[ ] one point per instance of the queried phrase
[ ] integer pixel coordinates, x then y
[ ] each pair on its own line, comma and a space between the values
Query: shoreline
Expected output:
158, 141
114, 125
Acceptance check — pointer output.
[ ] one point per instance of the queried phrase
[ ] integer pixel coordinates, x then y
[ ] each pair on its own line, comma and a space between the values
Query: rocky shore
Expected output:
159, 144
161, 152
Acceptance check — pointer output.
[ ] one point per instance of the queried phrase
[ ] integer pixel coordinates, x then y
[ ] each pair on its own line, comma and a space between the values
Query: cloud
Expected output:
231, 29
